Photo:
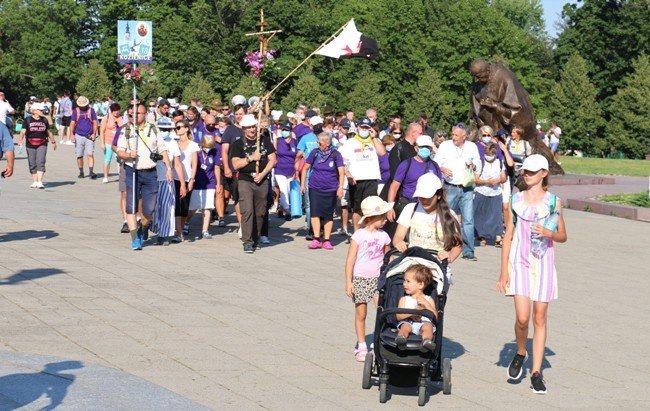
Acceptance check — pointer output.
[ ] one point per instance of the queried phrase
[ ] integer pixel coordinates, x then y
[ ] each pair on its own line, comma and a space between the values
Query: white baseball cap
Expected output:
427, 186
248, 120
535, 163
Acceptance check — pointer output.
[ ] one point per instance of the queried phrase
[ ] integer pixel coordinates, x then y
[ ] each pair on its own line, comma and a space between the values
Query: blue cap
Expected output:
345, 123
287, 126
165, 123
364, 122
502, 132
311, 113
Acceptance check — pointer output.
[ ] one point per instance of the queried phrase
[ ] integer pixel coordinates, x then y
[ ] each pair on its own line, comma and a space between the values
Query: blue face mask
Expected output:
364, 133
424, 152
166, 134
286, 133
221, 130
388, 148
486, 140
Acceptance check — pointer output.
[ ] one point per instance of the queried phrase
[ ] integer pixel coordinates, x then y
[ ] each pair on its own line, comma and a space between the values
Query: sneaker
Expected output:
274, 208
222, 222
40, 185
361, 353
257, 246
287, 217
206, 235
81, 175
104, 180
427, 345
470, 257
177, 239
125, 228
92, 176
341, 231
515, 369
249, 249
34, 185
327, 245
309, 237
400, 341
186, 229
537, 383
281, 212
145, 234
265, 240
314, 244
136, 244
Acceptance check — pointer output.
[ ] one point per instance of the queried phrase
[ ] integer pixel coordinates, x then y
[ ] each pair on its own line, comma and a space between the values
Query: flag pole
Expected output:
267, 95
134, 200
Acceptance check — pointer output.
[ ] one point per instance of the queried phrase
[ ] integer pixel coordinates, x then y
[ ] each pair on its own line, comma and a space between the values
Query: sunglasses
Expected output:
460, 125
180, 127
486, 135
152, 106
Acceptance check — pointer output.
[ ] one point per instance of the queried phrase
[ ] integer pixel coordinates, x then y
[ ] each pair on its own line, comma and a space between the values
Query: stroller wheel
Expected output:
422, 395
446, 376
383, 392
367, 371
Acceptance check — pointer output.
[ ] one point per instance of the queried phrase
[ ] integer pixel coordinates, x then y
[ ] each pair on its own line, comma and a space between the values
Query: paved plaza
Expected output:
88, 324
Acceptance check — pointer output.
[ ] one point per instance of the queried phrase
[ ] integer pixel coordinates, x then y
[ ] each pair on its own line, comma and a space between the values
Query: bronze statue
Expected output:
500, 101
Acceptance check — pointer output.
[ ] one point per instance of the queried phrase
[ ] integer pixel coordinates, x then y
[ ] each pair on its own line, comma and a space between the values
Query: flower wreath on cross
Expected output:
256, 60
134, 74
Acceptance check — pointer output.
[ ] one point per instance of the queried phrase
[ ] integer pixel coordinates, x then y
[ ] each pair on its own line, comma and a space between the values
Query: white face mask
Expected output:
490, 159
486, 140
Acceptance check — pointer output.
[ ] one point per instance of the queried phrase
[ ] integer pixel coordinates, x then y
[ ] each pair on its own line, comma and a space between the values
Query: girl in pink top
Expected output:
107, 133
531, 276
365, 257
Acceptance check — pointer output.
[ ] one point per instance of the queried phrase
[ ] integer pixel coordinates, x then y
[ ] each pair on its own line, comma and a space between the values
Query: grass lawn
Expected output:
606, 166
637, 200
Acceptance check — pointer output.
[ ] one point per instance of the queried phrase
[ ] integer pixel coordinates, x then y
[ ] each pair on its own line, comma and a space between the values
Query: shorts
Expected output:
415, 325
109, 154
83, 146
364, 289
65, 121
360, 191
202, 199
554, 147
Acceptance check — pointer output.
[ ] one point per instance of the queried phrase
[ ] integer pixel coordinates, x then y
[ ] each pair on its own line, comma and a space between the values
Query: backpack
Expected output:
514, 215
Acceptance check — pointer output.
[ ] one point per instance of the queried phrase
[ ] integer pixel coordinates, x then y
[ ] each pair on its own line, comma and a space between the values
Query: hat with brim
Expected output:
374, 205
82, 101
248, 120
165, 123
216, 104
37, 106
315, 120
427, 186
287, 126
535, 163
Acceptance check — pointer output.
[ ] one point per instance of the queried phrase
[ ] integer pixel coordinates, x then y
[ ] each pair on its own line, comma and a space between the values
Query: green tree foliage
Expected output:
629, 128
199, 88
528, 15
429, 98
94, 82
609, 35
575, 109
306, 89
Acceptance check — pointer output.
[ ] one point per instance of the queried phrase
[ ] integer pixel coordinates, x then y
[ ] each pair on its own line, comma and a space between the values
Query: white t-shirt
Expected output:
555, 135
423, 227
186, 160
172, 151
455, 158
5, 108
361, 160
490, 170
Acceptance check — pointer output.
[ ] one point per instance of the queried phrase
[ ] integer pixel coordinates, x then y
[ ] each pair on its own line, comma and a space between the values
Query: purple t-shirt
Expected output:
84, 125
324, 172
384, 168
217, 136
415, 170
300, 130
197, 131
286, 156
205, 177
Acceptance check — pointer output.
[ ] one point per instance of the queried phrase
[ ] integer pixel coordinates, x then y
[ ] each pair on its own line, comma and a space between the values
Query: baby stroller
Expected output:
408, 367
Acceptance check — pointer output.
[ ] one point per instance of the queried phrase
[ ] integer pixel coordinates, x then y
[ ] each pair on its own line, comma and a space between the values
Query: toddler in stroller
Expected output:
401, 357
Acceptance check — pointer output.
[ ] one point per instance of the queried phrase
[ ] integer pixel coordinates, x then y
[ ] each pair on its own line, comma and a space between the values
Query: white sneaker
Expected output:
104, 180
274, 208
34, 185
40, 185
265, 240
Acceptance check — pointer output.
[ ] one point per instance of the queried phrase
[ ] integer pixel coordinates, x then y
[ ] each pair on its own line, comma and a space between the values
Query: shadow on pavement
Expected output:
24, 388
29, 275
510, 349
28, 235
55, 184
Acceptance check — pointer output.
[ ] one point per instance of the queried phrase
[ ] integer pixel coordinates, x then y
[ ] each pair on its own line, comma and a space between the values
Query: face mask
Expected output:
486, 140
190, 119
286, 133
424, 152
335, 133
205, 149
490, 159
210, 127
397, 136
152, 109
221, 130
166, 134
364, 133
388, 148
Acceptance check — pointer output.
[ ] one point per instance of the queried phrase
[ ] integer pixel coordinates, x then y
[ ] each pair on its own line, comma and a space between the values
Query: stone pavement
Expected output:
201, 324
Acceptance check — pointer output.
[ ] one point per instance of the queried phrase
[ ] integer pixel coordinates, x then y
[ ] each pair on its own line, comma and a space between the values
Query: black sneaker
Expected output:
81, 175
249, 249
537, 383
92, 176
125, 228
515, 368
470, 257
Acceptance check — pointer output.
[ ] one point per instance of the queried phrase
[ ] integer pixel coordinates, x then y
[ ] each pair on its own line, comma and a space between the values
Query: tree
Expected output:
199, 88
575, 109
94, 82
629, 128
528, 15
306, 89
429, 98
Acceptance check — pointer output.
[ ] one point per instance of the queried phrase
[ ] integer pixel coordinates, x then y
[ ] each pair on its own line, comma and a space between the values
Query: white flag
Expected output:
343, 45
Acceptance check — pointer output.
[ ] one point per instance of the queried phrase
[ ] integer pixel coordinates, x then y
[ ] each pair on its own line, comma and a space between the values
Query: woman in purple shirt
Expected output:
284, 172
325, 185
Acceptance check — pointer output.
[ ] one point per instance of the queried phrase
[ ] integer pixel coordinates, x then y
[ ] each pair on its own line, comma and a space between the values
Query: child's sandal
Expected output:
360, 354
400, 341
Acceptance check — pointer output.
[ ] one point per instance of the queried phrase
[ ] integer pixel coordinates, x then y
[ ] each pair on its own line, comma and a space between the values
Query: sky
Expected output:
552, 11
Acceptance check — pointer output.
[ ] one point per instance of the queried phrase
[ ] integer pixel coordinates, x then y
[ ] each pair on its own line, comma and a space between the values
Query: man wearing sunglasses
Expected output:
141, 146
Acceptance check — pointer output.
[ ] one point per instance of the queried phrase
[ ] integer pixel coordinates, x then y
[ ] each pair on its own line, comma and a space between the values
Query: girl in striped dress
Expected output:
525, 275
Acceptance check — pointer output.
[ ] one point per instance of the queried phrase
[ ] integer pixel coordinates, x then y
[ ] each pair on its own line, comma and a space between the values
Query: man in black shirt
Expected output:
254, 161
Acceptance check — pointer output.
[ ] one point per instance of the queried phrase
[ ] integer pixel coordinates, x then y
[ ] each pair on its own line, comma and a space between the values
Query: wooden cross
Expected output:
261, 34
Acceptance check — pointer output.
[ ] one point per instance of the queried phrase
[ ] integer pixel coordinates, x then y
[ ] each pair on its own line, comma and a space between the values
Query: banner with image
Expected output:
134, 41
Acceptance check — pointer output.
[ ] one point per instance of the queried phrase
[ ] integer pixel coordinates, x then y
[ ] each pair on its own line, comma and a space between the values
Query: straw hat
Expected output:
374, 205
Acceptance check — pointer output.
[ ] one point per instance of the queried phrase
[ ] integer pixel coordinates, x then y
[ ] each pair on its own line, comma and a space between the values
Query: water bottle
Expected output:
540, 244
20, 149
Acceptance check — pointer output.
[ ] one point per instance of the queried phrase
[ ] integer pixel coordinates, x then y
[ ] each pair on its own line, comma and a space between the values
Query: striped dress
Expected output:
531, 276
